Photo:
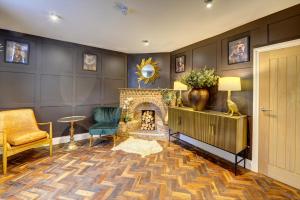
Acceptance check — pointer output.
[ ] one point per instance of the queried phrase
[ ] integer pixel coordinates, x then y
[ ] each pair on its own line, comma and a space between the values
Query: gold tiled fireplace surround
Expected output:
145, 99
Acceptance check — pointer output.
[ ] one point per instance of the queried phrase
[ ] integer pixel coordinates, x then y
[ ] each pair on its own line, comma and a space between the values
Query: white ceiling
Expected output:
167, 24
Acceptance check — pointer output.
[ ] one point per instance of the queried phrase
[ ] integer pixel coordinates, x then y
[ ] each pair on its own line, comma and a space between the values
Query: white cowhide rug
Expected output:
139, 146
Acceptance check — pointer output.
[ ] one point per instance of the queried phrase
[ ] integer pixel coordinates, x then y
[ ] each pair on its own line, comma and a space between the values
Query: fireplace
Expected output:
145, 102
148, 120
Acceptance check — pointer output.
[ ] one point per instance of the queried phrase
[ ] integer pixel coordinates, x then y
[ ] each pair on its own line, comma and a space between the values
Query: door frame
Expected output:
256, 57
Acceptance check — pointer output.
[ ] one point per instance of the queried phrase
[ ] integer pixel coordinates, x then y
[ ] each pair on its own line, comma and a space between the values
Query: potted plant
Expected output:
199, 81
168, 96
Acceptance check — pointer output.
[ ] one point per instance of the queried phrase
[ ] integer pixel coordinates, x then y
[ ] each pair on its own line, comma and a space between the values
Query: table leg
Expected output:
72, 145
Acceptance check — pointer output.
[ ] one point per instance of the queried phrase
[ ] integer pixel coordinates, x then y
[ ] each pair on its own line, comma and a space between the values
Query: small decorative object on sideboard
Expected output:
178, 86
16, 52
230, 84
199, 81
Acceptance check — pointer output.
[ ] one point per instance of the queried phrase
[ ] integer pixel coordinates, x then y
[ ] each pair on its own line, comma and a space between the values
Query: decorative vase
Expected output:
198, 98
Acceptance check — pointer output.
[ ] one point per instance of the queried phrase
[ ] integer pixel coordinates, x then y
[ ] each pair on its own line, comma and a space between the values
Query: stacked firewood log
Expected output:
148, 120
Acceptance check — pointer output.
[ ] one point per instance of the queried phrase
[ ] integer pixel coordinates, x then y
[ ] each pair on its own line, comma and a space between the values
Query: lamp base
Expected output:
232, 108
179, 102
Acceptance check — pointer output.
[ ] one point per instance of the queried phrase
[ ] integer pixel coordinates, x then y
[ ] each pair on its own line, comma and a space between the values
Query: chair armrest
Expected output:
50, 127
4, 140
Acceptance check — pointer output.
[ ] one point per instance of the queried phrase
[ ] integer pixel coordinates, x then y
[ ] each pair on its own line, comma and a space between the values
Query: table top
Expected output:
71, 119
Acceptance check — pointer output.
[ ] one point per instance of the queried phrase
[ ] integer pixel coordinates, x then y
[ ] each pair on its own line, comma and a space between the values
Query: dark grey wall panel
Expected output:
163, 61
57, 58
52, 114
205, 56
54, 83
113, 66
88, 90
111, 94
56, 90
17, 89
285, 29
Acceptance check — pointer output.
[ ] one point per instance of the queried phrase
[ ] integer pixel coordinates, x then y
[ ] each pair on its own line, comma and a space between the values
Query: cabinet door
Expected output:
174, 120
225, 134
202, 127
187, 123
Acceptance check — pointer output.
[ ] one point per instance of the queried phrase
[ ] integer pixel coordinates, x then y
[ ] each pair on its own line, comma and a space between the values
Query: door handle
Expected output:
265, 110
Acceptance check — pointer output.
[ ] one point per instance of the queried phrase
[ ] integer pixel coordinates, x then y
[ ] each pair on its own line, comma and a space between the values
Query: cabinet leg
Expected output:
245, 155
169, 135
235, 165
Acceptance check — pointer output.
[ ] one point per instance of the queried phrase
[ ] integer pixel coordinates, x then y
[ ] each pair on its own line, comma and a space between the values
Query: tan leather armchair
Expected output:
19, 132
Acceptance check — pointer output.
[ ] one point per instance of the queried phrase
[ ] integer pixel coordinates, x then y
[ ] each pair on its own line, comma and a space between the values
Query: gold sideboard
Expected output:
226, 132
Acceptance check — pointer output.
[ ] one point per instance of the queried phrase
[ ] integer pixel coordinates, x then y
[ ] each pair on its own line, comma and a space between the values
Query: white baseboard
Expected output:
66, 139
214, 150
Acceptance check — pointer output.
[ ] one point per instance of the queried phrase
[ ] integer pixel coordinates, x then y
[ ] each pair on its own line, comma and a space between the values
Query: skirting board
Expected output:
66, 139
216, 151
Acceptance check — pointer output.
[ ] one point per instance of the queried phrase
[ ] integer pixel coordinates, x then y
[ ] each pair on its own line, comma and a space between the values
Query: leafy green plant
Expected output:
203, 78
168, 96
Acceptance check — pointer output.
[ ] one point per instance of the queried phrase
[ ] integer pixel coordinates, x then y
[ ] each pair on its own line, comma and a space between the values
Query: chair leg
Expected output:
4, 159
114, 140
91, 140
51, 149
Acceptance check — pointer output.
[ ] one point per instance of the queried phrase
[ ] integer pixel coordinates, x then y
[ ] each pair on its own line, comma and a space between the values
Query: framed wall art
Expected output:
16, 52
89, 62
239, 50
180, 64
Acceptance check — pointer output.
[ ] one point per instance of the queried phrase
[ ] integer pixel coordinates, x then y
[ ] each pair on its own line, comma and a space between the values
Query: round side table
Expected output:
72, 119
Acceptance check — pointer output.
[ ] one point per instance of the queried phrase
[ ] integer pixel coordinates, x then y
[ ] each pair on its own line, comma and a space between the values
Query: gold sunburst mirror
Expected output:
147, 71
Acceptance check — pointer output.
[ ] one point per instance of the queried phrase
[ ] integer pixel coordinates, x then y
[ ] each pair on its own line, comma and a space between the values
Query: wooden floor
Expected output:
99, 173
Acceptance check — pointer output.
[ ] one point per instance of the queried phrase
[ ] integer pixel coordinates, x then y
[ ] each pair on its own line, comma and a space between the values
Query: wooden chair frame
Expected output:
7, 152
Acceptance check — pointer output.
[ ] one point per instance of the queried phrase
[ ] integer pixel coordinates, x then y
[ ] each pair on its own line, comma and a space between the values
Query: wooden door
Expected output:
279, 118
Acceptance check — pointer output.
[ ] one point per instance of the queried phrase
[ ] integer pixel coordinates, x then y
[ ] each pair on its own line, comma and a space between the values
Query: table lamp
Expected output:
230, 84
179, 87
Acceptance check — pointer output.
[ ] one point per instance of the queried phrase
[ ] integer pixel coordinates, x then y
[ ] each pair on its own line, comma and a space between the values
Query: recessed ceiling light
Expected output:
145, 42
209, 3
54, 17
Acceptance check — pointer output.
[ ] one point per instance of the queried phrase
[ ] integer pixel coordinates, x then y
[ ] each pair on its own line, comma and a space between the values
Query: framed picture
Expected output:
89, 62
180, 64
239, 50
16, 52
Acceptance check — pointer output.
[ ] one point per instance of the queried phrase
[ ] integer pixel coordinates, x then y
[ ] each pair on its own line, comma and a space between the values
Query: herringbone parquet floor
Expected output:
99, 173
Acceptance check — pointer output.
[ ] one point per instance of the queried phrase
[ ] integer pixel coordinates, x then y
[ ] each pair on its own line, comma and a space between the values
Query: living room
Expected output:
130, 99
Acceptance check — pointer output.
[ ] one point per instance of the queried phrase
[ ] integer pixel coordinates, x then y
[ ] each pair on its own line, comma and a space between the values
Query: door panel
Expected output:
279, 136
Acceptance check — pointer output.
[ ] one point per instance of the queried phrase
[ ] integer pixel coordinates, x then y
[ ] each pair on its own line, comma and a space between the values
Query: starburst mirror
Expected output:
147, 71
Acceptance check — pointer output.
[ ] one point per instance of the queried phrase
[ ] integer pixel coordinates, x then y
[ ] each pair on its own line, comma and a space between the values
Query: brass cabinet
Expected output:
215, 128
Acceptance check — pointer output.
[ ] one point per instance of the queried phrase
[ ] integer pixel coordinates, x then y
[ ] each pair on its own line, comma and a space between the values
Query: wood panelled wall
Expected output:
213, 52
54, 84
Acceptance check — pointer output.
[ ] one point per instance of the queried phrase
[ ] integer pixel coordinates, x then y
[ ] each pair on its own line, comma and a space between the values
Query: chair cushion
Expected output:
103, 129
24, 137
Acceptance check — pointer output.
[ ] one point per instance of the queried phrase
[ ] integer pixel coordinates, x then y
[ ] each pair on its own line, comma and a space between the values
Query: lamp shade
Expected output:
179, 86
230, 84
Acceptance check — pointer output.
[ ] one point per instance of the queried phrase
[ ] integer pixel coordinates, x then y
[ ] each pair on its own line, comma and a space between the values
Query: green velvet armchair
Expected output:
107, 122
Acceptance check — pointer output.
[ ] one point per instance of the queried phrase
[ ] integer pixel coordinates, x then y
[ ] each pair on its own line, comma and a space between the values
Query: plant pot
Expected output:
198, 98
